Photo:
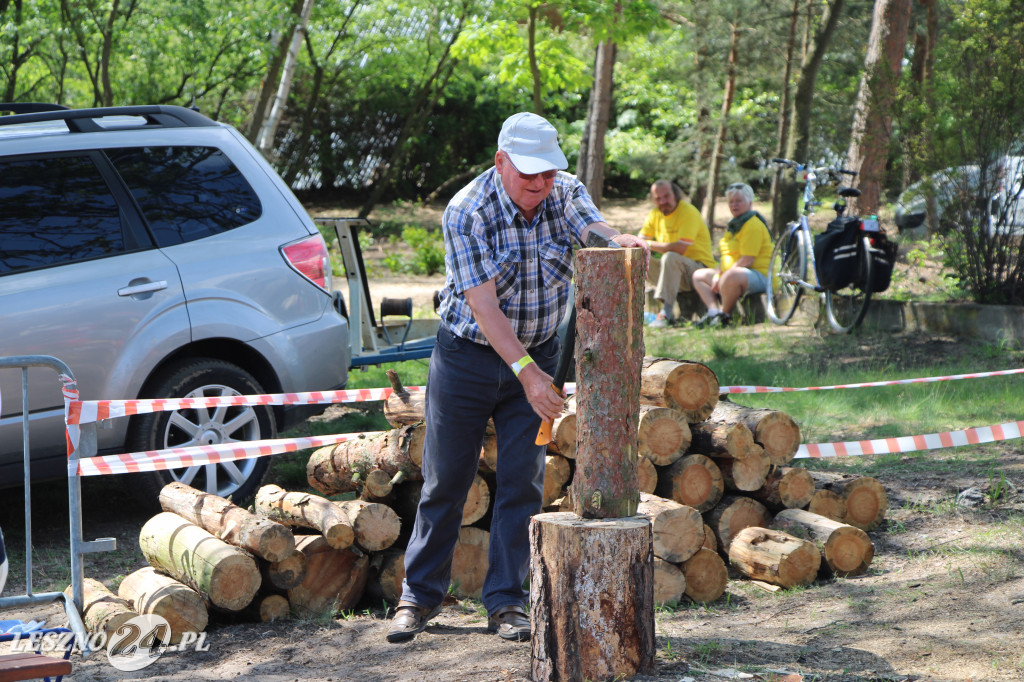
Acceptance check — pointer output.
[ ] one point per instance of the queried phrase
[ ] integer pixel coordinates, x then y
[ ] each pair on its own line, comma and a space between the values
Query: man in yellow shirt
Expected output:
675, 230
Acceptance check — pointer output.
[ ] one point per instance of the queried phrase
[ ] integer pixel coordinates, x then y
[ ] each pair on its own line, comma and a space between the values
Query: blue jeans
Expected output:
468, 384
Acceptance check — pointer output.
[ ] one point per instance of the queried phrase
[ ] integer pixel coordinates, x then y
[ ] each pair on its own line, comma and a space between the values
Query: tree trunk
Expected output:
864, 497
845, 550
663, 435
872, 115
224, 575
556, 475
694, 480
828, 504
148, 591
706, 575
646, 476
590, 168
723, 126
531, 45
335, 578
773, 430
609, 353
230, 523
747, 474
340, 468
304, 510
785, 488
285, 574
272, 80
678, 530
376, 525
268, 131
669, 582
780, 148
723, 439
774, 557
690, 387
599, 638
733, 514
470, 562
102, 610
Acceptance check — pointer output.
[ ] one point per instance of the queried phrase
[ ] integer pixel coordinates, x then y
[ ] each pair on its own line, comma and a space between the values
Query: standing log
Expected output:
102, 610
341, 468
284, 574
706, 575
733, 514
694, 480
669, 582
846, 551
470, 562
747, 474
304, 510
563, 435
604, 569
864, 496
828, 504
402, 407
609, 353
556, 475
690, 387
663, 434
773, 430
478, 501
224, 575
774, 557
785, 488
229, 522
335, 578
376, 525
721, 439
646, 476
677, 530
149, 591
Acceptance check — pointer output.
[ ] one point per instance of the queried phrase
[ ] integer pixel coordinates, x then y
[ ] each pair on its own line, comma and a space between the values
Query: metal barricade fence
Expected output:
79, 548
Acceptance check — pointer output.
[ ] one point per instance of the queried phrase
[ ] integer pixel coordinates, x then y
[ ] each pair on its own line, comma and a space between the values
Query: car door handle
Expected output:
143, 288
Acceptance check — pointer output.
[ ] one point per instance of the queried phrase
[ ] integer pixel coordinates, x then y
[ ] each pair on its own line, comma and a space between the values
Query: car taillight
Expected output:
309, 257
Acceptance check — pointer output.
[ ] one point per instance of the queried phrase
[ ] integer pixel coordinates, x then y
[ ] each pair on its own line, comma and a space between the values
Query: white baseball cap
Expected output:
531, 144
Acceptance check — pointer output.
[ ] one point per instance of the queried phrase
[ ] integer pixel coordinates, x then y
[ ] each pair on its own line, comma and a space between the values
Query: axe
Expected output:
565, 356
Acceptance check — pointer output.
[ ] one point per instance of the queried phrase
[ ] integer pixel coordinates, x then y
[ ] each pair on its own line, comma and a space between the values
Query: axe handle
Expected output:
561, 372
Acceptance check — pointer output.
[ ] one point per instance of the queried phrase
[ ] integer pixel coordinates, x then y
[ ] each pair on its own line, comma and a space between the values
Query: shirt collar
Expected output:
508, 208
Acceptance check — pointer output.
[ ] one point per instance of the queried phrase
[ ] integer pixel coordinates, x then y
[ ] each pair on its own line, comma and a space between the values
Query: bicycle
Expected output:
788, 267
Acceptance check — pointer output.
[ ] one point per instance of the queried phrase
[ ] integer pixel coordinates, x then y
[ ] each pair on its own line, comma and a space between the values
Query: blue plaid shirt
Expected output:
485, 237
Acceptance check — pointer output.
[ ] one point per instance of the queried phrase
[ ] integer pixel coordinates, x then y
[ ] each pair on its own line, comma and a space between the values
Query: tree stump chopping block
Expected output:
609, 354
694, 480
591, 597
774, 557
690, 387
773, 430
846, 550
149, 591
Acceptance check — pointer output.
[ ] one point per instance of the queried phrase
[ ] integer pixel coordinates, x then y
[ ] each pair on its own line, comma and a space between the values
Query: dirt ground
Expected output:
942, 600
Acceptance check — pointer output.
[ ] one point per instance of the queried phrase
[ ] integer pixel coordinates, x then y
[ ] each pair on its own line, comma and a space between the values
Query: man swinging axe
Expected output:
508, 256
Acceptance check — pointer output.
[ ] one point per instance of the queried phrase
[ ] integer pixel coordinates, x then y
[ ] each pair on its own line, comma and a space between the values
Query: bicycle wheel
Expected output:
788, 265
846, 308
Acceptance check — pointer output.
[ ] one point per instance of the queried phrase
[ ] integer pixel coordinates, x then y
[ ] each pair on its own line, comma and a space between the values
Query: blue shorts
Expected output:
757, 282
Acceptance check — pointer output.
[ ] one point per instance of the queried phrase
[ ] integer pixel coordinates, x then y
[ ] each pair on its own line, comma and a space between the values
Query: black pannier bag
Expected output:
835, 253
883, 257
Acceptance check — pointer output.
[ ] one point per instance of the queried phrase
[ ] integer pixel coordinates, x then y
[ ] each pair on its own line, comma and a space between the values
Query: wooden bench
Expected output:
31, 666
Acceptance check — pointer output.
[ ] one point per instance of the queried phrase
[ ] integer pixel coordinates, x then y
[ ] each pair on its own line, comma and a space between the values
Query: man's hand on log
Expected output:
541, 392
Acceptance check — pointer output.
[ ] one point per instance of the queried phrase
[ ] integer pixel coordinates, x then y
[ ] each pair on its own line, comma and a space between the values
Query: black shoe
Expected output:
707, 321
721, 320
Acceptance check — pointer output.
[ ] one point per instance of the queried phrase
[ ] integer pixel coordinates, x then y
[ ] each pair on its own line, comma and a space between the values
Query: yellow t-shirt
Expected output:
683, 223
753, 239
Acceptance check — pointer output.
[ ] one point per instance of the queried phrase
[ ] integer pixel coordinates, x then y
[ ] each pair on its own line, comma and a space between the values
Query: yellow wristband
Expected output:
521, 363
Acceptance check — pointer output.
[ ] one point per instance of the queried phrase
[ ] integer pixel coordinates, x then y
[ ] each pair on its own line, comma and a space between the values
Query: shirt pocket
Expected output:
510, 264
555, 264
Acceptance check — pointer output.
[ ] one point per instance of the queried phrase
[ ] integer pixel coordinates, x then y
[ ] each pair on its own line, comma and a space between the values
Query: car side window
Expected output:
186, 193
53, 211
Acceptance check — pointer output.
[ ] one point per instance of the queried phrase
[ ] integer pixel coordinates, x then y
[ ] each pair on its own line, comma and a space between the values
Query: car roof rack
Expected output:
30, 107
84, 120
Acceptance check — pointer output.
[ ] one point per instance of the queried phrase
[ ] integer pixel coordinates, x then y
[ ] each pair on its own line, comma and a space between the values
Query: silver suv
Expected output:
156, 253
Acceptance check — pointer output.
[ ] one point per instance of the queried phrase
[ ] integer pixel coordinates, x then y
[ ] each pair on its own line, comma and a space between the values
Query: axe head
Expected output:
596, 241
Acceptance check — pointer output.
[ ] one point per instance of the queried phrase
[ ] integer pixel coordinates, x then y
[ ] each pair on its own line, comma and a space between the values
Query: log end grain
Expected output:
276, 542
706, 576
470, 562
646, 476
663, 434
779, 435
866, 503
774, 557
149, 591
669, 582
694, 480
848, 552
828, 504
234, 582
274, 607
796, 487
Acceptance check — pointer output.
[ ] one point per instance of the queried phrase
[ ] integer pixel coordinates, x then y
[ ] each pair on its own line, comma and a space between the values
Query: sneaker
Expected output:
706, 321
721, 320
660, 322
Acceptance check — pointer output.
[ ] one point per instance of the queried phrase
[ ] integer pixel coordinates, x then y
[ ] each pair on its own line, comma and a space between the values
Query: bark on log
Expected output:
149, 591
774, 557
669, 582
733, 514
706, 575
478, 501
402, 407
773, 430
663, 434
304, 510
747, 474
677, 530
646, 476
864, 496
284, 574
690, 387
785, 488
556, 475
563, 435
229, 522
470, 562
828, 504
722, 439
224, 575
609, 353
102, 610
376, 525
335, 578
694, 480
845, 550
604, 569
341, 468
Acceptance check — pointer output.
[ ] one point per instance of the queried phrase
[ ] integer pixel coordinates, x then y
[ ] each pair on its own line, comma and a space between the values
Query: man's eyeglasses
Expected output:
528, 177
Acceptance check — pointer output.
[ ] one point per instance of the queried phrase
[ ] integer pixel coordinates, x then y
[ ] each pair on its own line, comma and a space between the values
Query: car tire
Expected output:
238, 479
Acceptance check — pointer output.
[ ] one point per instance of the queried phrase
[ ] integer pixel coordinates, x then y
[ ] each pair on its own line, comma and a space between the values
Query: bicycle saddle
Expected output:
849, 192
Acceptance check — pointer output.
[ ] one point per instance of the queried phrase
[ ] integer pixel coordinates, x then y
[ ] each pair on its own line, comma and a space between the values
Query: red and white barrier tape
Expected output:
198, 455
932, 441
925, 380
